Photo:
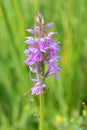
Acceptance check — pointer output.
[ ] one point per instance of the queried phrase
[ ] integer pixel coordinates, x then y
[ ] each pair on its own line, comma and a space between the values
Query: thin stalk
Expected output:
41, 122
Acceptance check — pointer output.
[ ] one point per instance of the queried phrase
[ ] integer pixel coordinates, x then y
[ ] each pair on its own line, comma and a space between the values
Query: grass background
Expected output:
64, 96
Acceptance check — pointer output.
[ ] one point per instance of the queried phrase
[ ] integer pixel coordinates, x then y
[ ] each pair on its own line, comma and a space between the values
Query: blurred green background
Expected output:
63, 101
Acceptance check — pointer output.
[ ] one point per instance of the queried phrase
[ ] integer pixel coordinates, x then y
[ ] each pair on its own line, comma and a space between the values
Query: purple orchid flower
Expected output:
42, 50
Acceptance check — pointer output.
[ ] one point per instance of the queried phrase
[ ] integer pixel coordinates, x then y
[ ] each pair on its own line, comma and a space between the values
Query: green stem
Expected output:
41, 122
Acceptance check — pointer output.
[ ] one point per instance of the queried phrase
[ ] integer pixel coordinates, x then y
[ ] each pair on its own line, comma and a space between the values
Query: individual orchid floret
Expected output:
38, 88
49, 25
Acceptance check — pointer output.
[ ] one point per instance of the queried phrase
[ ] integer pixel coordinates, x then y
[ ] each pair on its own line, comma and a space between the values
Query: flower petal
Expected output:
49, 25
51, 34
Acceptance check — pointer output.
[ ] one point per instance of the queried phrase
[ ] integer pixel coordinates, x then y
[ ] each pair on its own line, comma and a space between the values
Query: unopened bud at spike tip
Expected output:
39, 19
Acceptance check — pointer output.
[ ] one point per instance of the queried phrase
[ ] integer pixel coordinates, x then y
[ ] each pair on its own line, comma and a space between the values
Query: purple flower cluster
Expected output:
41, 52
